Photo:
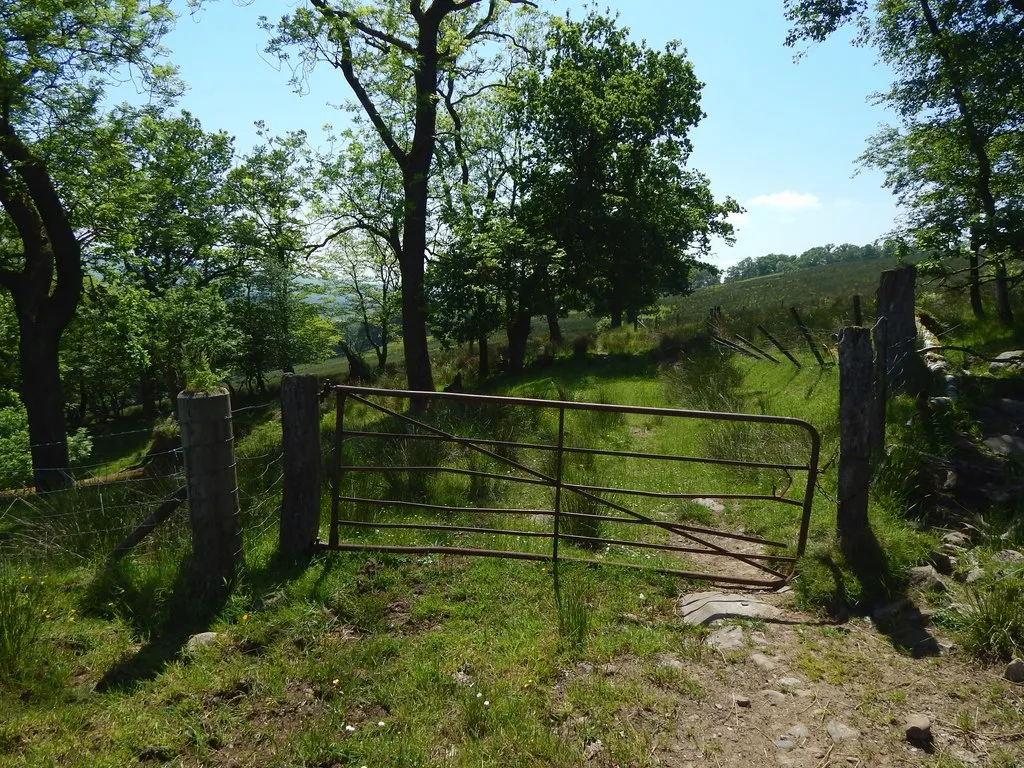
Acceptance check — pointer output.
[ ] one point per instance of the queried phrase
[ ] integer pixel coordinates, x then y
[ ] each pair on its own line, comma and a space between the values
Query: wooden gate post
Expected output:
855, 385
896, 305
300, 503
208, 444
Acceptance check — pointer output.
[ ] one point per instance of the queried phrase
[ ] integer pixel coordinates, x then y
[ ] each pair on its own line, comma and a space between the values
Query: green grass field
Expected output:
426, 660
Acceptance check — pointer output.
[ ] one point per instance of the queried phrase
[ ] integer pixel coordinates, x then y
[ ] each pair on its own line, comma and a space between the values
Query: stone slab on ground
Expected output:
701, 608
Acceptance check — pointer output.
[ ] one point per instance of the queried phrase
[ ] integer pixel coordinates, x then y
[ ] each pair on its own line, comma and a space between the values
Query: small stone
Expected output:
592, 750
773, 696
1015, 671
201, 639
741, 701
975, 574
943, 563
790, 682
726, 638
671, 662
763, 662
839, 731
799, 731
919, 728
1008, 361
784, 743
925, 577
956, 540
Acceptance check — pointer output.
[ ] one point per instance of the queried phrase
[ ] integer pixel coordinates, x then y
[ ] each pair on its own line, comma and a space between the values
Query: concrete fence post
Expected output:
212, 482
300, 503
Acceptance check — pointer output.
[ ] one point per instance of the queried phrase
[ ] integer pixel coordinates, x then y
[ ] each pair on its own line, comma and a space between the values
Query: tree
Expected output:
170, 227
56, 56
371, 292
393, 55
610, 120
960, 90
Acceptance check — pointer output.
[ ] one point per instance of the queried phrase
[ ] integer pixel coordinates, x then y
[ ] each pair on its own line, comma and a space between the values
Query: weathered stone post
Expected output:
212, 483
300, 503
896, 305
855, 407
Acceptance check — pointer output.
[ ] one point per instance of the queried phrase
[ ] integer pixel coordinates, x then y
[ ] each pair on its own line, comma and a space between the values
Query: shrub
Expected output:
582, 344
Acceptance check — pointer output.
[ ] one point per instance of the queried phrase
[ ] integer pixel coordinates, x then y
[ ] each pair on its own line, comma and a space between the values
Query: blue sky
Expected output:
780, 137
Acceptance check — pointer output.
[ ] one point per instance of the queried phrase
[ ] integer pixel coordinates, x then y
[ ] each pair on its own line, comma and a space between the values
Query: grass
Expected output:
405, 660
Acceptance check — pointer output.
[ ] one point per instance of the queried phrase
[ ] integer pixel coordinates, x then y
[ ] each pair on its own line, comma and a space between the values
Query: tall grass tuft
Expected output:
574, 613
574, 504
993, 626
21, 618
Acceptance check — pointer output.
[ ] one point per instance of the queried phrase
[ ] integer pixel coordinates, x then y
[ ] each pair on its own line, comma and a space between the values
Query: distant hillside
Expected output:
803, 288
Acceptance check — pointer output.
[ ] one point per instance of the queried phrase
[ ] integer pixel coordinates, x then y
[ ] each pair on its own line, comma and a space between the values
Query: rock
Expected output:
918, 728
702, 608
462, 678
926, 578
784, 743
773, 696
1013, 408
1010, 361
714, 506
1015, 671
790, 682
956, 540
671, 662
592, 750
741, 701
943, 563
726, 638
975, 574
891, 612
839, 731
763, 662
799, 731
1010, 556
1005, 445
201, 639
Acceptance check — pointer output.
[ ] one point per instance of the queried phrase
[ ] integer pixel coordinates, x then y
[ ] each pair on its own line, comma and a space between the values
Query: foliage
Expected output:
106, 349
609, 119
15, 457
192, 334
774, 263
954, 160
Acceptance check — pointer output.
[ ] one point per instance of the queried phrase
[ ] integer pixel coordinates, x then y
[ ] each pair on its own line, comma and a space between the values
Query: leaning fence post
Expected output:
300, 500
208, 444
807, 336
855, 384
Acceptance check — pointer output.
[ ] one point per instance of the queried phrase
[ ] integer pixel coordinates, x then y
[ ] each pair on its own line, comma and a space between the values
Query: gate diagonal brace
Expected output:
681, 530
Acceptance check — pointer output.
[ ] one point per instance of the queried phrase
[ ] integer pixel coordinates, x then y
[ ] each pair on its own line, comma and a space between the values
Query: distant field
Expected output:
803, 288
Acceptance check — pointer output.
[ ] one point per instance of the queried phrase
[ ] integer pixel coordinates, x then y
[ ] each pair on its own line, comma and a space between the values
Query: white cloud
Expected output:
786, 201
738, 219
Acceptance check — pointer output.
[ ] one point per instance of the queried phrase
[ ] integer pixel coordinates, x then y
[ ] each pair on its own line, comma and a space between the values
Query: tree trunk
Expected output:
518, 332
975, 273
616, 318
41, 393
1003, 310
483, 365
554, 329
147, 394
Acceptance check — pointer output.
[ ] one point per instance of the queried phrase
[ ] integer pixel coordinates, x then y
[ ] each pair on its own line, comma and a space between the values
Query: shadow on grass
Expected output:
884, 593
169, 621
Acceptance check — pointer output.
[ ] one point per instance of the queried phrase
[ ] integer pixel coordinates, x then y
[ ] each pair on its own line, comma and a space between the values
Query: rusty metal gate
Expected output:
558, 531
